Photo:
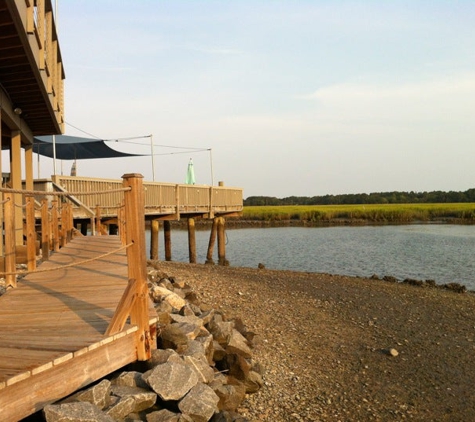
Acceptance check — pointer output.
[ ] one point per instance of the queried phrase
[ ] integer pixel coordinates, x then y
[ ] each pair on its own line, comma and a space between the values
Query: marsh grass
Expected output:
373, 213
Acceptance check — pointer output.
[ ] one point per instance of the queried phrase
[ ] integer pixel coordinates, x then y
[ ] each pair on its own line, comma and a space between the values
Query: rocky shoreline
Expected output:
324, 347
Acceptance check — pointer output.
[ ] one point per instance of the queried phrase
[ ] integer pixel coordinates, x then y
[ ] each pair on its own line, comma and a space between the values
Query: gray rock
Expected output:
221, 331
171, 380
238, 344
200, 366
253, 382
130, 379
218, 352
225, 416
121, 408
160, 356
98, 395
143, 398
230, 396
200, 403
189, 319
162, 294
163, 415
173, 336
75, 412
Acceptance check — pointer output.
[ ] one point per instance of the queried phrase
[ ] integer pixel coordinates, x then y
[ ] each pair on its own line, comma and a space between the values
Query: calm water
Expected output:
444, 253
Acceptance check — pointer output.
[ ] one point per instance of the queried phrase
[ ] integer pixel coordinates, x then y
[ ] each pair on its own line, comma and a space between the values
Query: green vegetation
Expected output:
370, 213
434, 197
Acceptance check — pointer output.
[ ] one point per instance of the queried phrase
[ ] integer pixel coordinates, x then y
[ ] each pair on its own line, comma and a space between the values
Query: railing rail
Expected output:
59, 230
160, 198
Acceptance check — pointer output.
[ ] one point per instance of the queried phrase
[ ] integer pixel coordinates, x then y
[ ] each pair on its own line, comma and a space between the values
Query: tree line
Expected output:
433, 197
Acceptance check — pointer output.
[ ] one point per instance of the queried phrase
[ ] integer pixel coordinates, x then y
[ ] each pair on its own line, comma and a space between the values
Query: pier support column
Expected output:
212, 240
167, 234
221, 242
191, 240
154, 232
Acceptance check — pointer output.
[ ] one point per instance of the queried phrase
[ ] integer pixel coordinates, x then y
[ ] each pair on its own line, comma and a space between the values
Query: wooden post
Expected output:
154, 233
221, 242
45, 230
98, 220
122, 224
30, 234
191, 240
167, 234
212, 240
137, 261
64, 225
10, 258
55, 224
15, 178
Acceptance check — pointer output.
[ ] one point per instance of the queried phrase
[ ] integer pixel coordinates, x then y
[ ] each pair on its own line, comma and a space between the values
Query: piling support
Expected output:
221, 242
154, 233
191, 240
10, 254
212, 240
167, 234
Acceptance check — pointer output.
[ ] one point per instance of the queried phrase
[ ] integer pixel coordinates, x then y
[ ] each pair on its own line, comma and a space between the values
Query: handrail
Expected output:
133, 240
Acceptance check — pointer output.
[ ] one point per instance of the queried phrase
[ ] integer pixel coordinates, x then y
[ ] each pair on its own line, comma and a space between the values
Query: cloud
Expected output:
444, 98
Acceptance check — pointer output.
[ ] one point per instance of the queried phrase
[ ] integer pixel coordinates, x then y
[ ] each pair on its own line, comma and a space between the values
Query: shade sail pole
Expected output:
153, 160
211, 165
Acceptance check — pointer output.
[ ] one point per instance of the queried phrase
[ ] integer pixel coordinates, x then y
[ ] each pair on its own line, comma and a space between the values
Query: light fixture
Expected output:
17, 110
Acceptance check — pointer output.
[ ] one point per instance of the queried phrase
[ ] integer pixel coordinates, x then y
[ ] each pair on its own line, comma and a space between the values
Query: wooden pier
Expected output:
53, 325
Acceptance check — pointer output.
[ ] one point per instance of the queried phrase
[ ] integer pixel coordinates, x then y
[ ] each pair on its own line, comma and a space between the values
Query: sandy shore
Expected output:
324, 342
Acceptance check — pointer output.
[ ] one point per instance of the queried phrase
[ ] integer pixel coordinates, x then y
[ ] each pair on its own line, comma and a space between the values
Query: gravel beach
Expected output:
337, 348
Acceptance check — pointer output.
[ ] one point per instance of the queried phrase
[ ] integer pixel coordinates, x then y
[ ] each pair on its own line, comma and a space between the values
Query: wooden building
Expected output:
31, 88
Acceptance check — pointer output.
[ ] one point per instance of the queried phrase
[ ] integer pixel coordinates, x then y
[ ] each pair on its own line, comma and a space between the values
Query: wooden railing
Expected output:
160, 198
57, 231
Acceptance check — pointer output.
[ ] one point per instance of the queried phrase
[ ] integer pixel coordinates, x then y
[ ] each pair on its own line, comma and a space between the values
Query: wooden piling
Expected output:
55, 225
221, 242
212, 240
154, 233
167, 234
191, 240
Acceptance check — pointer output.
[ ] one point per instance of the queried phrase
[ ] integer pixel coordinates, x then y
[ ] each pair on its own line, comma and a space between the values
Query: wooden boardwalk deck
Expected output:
52, 327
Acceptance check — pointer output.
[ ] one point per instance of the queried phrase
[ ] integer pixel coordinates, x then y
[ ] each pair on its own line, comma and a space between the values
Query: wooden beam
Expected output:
154, 233
34, 392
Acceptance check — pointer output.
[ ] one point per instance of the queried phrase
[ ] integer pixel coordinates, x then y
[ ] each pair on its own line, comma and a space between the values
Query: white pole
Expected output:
54, 155
211, 165
54, 136
153, 160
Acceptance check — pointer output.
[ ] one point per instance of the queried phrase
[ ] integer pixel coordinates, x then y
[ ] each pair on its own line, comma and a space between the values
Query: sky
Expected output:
280, 98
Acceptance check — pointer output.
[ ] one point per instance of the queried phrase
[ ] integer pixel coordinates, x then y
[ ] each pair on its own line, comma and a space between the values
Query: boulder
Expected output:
75, 412
159, 294
163, 415
130, 379
238, 344
142, 398
121, 407
200, 403
98, 395
200, 366
171, 380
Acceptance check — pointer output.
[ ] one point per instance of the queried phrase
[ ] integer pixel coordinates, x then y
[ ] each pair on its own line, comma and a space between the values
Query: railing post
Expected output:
55, 224
30, 233
137, 260
10, 257
64, 225
45, 230
122, 225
